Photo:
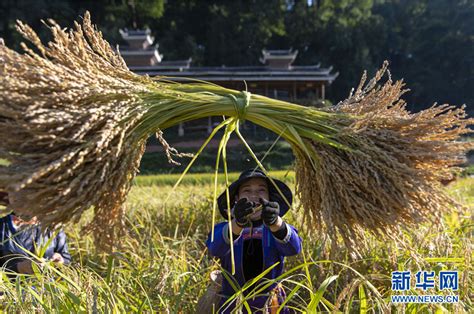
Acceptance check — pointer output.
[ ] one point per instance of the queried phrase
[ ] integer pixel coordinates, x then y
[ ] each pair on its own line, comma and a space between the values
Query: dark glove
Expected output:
241, 210
270, 212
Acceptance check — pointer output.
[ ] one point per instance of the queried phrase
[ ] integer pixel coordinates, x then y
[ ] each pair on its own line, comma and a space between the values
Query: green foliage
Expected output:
428, 42
468, 171
3, 162
162, 264
161, 261
202, 178
136, 13
278, 158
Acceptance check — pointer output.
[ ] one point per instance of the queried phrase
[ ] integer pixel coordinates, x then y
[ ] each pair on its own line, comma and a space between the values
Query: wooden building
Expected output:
276, 77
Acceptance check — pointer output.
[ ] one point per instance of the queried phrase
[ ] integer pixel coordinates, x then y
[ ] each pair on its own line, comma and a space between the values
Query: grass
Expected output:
162, 264
279, 157
202, 178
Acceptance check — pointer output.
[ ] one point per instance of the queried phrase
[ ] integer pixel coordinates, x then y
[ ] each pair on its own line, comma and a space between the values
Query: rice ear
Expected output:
390, 180
74, 121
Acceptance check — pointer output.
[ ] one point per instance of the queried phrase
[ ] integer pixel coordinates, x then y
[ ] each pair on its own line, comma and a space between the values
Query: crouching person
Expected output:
18, 236
261, 238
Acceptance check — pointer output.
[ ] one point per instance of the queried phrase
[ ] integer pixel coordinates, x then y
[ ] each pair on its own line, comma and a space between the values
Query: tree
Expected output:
334, 33
430, 44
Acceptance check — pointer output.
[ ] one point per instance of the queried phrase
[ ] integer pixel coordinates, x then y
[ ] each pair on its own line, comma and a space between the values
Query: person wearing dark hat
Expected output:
261, 237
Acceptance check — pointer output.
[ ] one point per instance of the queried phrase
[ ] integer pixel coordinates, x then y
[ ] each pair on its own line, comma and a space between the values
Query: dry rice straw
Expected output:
74, 121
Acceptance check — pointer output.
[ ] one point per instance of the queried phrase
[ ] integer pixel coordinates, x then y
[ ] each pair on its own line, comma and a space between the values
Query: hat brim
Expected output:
274, 195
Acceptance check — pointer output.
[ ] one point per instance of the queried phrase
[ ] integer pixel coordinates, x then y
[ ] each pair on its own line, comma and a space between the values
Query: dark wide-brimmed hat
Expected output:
274, 195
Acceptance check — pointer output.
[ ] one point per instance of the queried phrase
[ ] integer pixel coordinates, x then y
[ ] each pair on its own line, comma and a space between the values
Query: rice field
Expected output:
162, 264
89, 117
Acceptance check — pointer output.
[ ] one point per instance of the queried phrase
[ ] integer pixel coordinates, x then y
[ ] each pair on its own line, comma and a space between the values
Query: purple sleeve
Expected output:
291, 243
221, 244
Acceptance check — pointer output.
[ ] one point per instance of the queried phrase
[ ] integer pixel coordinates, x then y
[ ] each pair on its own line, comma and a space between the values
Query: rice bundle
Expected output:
74, 121
390, 178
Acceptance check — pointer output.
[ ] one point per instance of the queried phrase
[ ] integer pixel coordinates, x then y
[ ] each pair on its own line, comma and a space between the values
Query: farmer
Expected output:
261, 237
18, 235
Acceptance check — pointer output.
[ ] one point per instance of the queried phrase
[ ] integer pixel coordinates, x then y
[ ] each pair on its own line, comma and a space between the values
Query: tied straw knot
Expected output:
241, 104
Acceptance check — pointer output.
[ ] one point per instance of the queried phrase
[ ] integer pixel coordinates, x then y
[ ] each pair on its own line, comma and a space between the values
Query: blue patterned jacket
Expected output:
12, 241
274, 250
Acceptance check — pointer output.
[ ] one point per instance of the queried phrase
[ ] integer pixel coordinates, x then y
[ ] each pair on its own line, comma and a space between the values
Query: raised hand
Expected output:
270, 212
241, 210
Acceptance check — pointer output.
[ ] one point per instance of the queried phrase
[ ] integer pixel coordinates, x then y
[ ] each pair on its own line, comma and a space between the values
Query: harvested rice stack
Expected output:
66, 127
389, 179
74, 120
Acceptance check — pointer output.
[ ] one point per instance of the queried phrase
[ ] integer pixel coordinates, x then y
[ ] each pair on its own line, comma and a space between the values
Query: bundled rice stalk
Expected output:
390, 178
74, 121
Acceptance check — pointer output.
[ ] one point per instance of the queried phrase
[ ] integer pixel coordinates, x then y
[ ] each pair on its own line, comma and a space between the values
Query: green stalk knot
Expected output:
241, 104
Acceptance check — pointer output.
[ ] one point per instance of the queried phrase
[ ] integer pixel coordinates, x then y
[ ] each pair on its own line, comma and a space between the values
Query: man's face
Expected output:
18, 221
253, 190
